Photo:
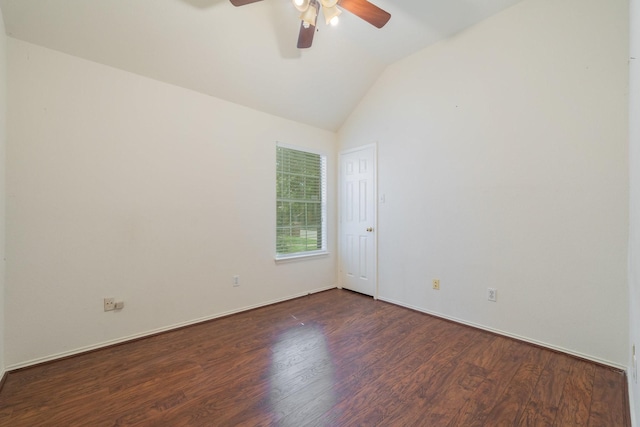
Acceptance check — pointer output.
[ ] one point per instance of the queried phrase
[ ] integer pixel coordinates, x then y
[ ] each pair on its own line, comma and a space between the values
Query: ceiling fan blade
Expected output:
367, 11
305, 37
243, 2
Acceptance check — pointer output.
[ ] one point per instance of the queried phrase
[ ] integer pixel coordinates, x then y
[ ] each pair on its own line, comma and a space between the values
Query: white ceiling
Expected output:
246, 54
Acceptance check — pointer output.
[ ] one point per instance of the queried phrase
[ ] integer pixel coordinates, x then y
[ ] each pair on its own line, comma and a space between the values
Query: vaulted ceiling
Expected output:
247, 54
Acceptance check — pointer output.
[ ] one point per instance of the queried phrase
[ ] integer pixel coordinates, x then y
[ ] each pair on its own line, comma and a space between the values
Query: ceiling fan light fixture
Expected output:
301, 5
310, 15
328, 3
331, 14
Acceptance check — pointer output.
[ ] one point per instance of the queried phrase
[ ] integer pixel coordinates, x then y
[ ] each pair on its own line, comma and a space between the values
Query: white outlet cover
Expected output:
492, 294
109, 304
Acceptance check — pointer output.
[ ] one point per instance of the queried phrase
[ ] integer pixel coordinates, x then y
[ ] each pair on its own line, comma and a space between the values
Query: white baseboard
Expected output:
157, 331
507, 334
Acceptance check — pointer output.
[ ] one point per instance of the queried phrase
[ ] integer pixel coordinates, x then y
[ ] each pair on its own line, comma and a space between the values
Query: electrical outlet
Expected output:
236, 281
436, 284
109, 304
492, 294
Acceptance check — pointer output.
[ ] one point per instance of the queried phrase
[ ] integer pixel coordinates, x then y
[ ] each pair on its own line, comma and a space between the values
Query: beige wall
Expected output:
634, 236
503, 161
3, 143
122, 186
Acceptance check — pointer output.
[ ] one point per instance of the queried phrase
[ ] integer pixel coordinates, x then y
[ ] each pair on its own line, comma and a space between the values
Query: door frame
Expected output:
373, 146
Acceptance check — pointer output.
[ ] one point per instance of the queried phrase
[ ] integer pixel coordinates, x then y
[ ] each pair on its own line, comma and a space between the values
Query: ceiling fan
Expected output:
310, 8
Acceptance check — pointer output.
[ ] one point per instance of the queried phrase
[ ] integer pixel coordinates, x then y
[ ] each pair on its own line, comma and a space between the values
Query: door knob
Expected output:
370, 229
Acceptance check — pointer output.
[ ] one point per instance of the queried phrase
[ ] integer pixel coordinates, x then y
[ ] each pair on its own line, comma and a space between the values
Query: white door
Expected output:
358, 220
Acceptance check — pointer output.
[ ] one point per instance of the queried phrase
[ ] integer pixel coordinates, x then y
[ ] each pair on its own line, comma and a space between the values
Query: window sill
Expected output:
300, 257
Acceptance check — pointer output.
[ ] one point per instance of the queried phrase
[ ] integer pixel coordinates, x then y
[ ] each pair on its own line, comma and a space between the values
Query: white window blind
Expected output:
300, 202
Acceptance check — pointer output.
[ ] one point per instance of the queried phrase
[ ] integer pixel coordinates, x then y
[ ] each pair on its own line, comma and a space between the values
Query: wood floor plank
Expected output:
476, 365
608, 390
335, 358
386, 371
362, 363
432, 389
476, 410
576, 400
542, 408
516, 397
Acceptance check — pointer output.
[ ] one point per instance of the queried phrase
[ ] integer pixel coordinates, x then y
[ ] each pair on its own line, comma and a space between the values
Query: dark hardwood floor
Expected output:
334, 358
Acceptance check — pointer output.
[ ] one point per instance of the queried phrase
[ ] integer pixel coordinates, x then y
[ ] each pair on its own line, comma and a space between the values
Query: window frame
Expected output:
283, 257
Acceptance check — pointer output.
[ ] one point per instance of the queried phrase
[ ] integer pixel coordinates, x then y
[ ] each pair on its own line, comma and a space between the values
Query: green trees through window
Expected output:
300, 202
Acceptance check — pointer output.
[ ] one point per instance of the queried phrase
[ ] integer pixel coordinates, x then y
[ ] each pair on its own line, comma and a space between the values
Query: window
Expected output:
300, 202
